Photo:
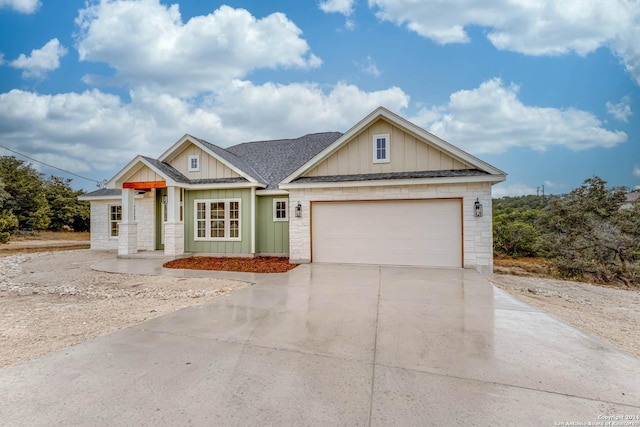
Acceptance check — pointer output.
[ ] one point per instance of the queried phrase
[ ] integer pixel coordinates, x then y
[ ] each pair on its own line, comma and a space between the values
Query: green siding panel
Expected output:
272, 237
228, 247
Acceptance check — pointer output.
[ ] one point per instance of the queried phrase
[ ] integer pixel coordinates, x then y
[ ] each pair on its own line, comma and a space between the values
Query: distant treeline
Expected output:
31, 202
589, 234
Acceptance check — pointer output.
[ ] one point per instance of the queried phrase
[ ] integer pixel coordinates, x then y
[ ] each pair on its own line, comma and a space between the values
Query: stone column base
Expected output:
127, 238
173, 239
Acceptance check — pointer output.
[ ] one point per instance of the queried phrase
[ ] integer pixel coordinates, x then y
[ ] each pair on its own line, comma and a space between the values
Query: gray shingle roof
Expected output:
392, 175
274, 160
168, 170
103, 192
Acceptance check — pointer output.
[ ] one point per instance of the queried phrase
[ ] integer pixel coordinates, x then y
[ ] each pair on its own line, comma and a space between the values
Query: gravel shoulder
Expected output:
610, 313
52, 300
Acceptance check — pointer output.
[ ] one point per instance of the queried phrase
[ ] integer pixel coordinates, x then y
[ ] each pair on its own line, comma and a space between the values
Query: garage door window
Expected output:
217, 219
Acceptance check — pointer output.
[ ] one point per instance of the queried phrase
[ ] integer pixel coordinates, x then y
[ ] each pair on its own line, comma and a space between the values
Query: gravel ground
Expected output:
51, 300
608, 312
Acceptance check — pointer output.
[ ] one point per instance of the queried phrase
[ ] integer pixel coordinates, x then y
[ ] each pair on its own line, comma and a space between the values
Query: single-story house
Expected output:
384, 192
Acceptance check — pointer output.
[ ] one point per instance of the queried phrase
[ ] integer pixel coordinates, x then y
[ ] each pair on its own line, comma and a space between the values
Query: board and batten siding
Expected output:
241, 247
272, 237
408, 154
210, 168
145, 175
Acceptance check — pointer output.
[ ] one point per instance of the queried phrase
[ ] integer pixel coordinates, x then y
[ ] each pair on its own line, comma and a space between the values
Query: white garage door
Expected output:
404, 232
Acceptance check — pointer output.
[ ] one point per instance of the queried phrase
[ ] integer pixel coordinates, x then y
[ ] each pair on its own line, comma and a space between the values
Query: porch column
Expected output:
173, 228
128, 229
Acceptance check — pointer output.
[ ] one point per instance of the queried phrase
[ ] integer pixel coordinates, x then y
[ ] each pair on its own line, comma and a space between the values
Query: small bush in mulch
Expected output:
246, 265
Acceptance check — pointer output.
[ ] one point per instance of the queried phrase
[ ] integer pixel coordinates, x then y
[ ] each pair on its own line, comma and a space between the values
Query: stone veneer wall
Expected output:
478, 235
145, 218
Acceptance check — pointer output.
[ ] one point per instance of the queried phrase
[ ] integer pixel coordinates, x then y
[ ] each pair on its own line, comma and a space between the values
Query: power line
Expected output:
51, 166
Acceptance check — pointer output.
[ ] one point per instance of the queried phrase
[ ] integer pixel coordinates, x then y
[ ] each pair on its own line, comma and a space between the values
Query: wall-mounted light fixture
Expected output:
165, 199
478, 208
299, 210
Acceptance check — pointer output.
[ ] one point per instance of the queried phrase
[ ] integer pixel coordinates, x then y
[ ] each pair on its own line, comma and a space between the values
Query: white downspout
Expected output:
253, 220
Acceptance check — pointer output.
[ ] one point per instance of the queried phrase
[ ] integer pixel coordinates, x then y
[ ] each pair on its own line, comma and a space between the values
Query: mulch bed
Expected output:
246, 265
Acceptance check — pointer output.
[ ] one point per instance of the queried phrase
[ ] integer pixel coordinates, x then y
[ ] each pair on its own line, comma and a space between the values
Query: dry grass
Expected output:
529, 267
52, 235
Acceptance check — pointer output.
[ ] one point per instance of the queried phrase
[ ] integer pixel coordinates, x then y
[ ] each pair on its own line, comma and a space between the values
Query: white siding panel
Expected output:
400, 232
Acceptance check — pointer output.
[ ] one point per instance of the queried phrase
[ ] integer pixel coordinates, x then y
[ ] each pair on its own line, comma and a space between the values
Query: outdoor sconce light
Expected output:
478, 208
165, 199
299, 210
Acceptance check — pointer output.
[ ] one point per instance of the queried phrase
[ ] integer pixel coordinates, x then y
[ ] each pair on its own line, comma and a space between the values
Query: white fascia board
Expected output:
225, 185
272, 193
98, 198
129, 169
176, 148
403, 124
494, 179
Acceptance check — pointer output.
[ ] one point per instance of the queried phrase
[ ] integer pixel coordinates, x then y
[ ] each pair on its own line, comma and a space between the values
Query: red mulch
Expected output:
268, 264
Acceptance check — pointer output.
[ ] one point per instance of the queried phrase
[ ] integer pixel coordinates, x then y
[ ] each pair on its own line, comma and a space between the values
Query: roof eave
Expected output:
493, 179
224, 185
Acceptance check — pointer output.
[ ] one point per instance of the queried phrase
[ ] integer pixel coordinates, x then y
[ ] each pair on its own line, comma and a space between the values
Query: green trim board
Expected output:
159, 217
272, 237
243, 246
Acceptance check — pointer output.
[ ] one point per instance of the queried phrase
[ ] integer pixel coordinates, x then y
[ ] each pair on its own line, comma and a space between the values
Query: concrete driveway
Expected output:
335, 345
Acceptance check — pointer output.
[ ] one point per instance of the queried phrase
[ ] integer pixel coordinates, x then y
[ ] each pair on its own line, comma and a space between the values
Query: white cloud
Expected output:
22, 6
636, 171
622, 110
512, 190
147, 44
547, 27
94, 131
344, 7
280, 111
491, 119
369, 67
41, 61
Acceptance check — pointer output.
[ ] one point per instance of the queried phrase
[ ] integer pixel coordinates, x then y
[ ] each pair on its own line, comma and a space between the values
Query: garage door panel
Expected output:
407, 232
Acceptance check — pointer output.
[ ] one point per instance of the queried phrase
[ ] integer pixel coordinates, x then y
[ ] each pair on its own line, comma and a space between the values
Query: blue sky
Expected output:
547, 91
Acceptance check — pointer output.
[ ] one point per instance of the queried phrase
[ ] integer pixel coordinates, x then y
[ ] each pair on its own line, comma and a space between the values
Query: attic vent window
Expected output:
194, 163
381, 149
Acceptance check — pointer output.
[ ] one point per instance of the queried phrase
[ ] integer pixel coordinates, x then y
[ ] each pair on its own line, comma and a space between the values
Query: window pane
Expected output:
234, 210
381, 148
217, 210
234, 229
201, 210
217, 229
116, 213
114, 229
202, 232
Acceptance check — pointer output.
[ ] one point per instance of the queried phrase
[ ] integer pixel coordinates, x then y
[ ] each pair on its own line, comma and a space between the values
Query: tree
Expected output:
8, 221
27, 199
67, 212
514, 224
589, 235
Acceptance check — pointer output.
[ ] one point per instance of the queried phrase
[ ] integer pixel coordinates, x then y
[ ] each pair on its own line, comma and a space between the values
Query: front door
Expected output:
161, 216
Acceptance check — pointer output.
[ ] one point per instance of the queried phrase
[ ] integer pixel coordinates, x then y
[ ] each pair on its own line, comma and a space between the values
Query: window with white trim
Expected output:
281, 209
381, 148
115, 216
217, 219
194, 163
